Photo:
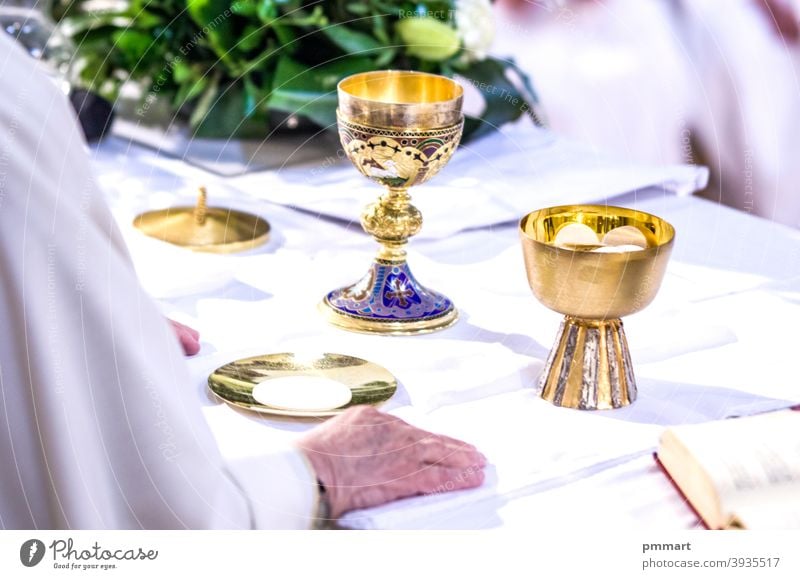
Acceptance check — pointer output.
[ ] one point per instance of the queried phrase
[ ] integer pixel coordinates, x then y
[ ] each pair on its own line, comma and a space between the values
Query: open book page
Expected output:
753, 465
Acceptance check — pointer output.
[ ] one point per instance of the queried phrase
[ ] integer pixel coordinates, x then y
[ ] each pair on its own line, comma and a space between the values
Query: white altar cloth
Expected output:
710, 346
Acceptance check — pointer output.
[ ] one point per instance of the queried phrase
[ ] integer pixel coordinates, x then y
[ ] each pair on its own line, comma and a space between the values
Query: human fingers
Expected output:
450, 454
438, 479
179, 327
190, 344
430, 479
455, 443
188, 338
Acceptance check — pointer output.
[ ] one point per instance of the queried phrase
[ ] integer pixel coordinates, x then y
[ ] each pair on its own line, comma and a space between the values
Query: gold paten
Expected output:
203, 228
589, 366
369, 383
399, 128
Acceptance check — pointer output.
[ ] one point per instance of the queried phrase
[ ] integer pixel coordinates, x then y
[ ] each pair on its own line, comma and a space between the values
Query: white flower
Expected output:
475, 25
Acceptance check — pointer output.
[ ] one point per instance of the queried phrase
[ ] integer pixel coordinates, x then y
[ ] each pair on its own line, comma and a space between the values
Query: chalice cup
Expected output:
399, 128
594, 280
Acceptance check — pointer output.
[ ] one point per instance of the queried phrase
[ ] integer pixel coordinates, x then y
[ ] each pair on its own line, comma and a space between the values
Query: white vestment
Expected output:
648, 79
98, 428
747, 106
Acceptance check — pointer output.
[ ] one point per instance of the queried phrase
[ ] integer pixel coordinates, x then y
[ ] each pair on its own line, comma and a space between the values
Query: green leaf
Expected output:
147, 20
385, 56
196, 87
428, 38
349, 40
132, 45
329, 74
318, 107
253, 97
357, 9
380, 31
503, 100
293, 76
531, 96
285, 36
267, 11
250, 38
181, 71
245, 8
93, 73
205, 103
312, 92
301, 18
95, 40
395, 8
227, 117
188, 91
216, 26
269, 15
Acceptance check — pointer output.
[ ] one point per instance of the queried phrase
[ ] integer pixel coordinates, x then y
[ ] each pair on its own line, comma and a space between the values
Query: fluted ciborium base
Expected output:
389, 300
589, 367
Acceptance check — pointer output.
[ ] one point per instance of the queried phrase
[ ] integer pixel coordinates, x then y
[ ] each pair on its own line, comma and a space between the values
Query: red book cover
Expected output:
680, 492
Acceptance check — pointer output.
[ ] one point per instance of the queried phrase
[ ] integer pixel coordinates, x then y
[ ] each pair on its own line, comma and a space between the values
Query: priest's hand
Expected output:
364, 458
189, 338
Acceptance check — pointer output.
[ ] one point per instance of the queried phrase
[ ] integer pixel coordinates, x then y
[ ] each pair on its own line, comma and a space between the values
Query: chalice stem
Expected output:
396, 198
589, 366
397, 201
389, 299
392, 220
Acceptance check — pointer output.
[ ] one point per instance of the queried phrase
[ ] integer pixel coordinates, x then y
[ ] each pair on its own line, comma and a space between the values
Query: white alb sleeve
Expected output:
99, 425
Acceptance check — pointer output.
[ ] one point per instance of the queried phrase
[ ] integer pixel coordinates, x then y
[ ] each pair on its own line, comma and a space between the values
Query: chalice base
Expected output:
589, 367
389, 300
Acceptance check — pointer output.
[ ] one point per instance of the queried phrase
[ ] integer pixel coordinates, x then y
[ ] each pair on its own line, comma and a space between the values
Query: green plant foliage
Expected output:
428, 38
226, 66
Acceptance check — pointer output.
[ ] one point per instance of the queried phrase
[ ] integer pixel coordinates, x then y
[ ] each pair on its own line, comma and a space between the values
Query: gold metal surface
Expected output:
369, 383
203, 228
399, 128
386, 328
401, 100
589, 367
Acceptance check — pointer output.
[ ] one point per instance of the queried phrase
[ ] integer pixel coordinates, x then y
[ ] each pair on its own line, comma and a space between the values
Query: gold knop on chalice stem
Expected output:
392, 220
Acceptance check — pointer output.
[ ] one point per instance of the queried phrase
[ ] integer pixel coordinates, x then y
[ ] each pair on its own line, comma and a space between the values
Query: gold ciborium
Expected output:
594, 264
399, 128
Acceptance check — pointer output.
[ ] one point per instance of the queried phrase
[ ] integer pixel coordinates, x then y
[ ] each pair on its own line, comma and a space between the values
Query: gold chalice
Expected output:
399, 128
594, 264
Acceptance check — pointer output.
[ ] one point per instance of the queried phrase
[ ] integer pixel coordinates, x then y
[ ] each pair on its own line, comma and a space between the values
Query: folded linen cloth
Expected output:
494, 180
